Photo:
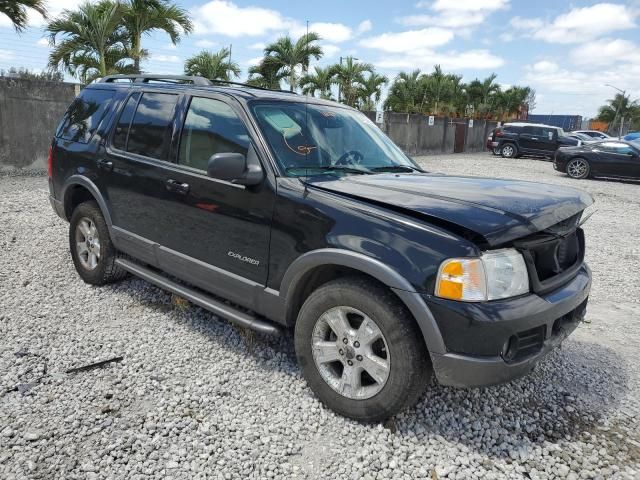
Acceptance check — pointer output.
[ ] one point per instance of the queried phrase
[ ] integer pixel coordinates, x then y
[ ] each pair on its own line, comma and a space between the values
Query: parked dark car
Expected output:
610, 158
516, 139
277, 211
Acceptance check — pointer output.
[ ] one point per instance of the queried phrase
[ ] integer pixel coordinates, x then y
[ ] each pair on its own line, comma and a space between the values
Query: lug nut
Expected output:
359, 358
350, 363
356, 344
345, 341
340, 352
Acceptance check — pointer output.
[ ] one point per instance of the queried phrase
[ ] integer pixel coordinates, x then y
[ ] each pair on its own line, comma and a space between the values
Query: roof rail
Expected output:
145, 78
248, 85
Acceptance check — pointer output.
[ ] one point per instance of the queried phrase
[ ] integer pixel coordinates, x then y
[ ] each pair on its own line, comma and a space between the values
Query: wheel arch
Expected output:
313, 269
78, 189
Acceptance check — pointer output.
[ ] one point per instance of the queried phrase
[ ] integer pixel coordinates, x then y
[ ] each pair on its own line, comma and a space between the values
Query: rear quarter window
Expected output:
84, 115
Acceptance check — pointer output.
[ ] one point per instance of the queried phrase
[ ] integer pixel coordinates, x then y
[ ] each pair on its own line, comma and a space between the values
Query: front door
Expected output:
216, 223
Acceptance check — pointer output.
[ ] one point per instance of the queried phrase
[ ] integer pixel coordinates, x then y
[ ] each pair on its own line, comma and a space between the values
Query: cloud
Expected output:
454, 14
452, 60
605, 52
364, 27
579, 24
43, 42
226, 18
205, 43
166, 58
333, 32
410, 39
257, 46
253, 61
573, 91
330, 50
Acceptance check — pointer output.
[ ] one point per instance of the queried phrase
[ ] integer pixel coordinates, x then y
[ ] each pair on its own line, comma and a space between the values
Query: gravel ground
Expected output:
197, 398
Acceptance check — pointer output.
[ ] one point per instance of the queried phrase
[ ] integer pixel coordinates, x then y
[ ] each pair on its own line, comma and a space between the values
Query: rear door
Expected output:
529, 140
136, 169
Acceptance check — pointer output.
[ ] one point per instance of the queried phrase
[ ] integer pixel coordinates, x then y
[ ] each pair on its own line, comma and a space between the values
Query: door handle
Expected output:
176, 186
534, 138
105, 164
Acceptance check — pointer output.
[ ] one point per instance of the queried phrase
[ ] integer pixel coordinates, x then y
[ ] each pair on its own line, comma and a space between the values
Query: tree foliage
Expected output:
442, 93
619, 107
212, 65
288, 58
18, 11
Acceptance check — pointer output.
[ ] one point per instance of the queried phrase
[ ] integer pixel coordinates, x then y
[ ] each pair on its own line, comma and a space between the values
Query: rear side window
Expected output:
84, 115
122, 127
150, 132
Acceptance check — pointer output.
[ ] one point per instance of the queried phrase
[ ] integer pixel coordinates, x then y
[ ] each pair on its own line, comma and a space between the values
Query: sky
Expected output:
568, 51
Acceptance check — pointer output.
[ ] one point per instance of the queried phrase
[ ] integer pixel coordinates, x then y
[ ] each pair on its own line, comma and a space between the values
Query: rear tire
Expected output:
578, 168
360, 350
92, 251
509, 150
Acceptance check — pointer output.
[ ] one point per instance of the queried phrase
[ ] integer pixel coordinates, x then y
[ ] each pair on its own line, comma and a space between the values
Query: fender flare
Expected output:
81, 180
374, 268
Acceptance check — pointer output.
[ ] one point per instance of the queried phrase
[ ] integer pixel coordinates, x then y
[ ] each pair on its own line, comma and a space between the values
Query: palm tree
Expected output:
215, 66
144, 16
371, 90
17, 11
90, 42
618, 108
265, 75
320, 81
350, 76
286, 56
405, 94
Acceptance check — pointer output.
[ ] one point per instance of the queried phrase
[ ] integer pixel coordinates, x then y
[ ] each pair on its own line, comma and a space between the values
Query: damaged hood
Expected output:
498, 210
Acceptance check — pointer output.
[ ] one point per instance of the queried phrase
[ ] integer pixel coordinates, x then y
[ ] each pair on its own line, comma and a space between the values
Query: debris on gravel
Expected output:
194, 397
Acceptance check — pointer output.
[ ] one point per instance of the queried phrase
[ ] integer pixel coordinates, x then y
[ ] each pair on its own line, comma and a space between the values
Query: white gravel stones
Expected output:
194, 398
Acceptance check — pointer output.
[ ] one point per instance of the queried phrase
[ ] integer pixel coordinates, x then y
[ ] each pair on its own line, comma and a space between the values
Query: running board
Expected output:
203, 300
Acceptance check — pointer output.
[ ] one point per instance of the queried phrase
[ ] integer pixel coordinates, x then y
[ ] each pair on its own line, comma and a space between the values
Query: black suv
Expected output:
515, 139
277, 211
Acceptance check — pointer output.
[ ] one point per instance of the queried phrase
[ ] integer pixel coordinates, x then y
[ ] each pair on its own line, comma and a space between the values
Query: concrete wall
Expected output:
416, 137
30, 110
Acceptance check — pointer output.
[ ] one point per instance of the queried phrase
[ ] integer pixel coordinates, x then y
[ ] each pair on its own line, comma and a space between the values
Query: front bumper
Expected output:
478, 335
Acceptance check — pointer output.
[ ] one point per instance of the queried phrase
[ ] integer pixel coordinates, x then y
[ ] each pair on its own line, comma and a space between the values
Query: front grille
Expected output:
552, 258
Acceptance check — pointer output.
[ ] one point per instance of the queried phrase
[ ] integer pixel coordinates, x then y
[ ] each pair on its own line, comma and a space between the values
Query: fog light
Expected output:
510, 348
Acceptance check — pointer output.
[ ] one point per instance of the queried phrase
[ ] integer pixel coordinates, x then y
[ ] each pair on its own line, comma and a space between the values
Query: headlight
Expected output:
496, 274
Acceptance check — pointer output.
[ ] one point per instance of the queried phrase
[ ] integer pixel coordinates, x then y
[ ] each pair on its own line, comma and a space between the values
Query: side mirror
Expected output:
236, 168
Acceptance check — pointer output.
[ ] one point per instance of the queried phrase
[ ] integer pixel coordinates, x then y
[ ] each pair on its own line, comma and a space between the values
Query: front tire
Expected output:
92, 251
578, 168
360, 350
508, 150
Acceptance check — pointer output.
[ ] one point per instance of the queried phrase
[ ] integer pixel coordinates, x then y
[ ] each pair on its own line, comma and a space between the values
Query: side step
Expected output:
203, 300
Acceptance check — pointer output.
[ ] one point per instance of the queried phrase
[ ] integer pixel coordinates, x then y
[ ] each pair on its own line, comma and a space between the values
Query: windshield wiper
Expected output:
396, 168
329, 168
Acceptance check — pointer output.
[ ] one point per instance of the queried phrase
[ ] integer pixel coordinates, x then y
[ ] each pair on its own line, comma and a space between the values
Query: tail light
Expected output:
50, 162
499, 133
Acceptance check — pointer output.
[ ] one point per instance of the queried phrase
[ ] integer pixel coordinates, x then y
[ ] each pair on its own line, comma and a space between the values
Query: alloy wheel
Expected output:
87, 243
577, 168
350, 352
508, 151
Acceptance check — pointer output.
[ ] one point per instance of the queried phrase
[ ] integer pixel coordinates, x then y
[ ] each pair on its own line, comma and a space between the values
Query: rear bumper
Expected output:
494, 324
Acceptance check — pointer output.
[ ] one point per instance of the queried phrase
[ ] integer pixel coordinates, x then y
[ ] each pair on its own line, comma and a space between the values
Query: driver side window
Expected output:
211, 127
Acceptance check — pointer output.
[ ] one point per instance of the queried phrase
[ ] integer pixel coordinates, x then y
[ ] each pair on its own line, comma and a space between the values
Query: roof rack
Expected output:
248, 85
145, 78
176, 79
